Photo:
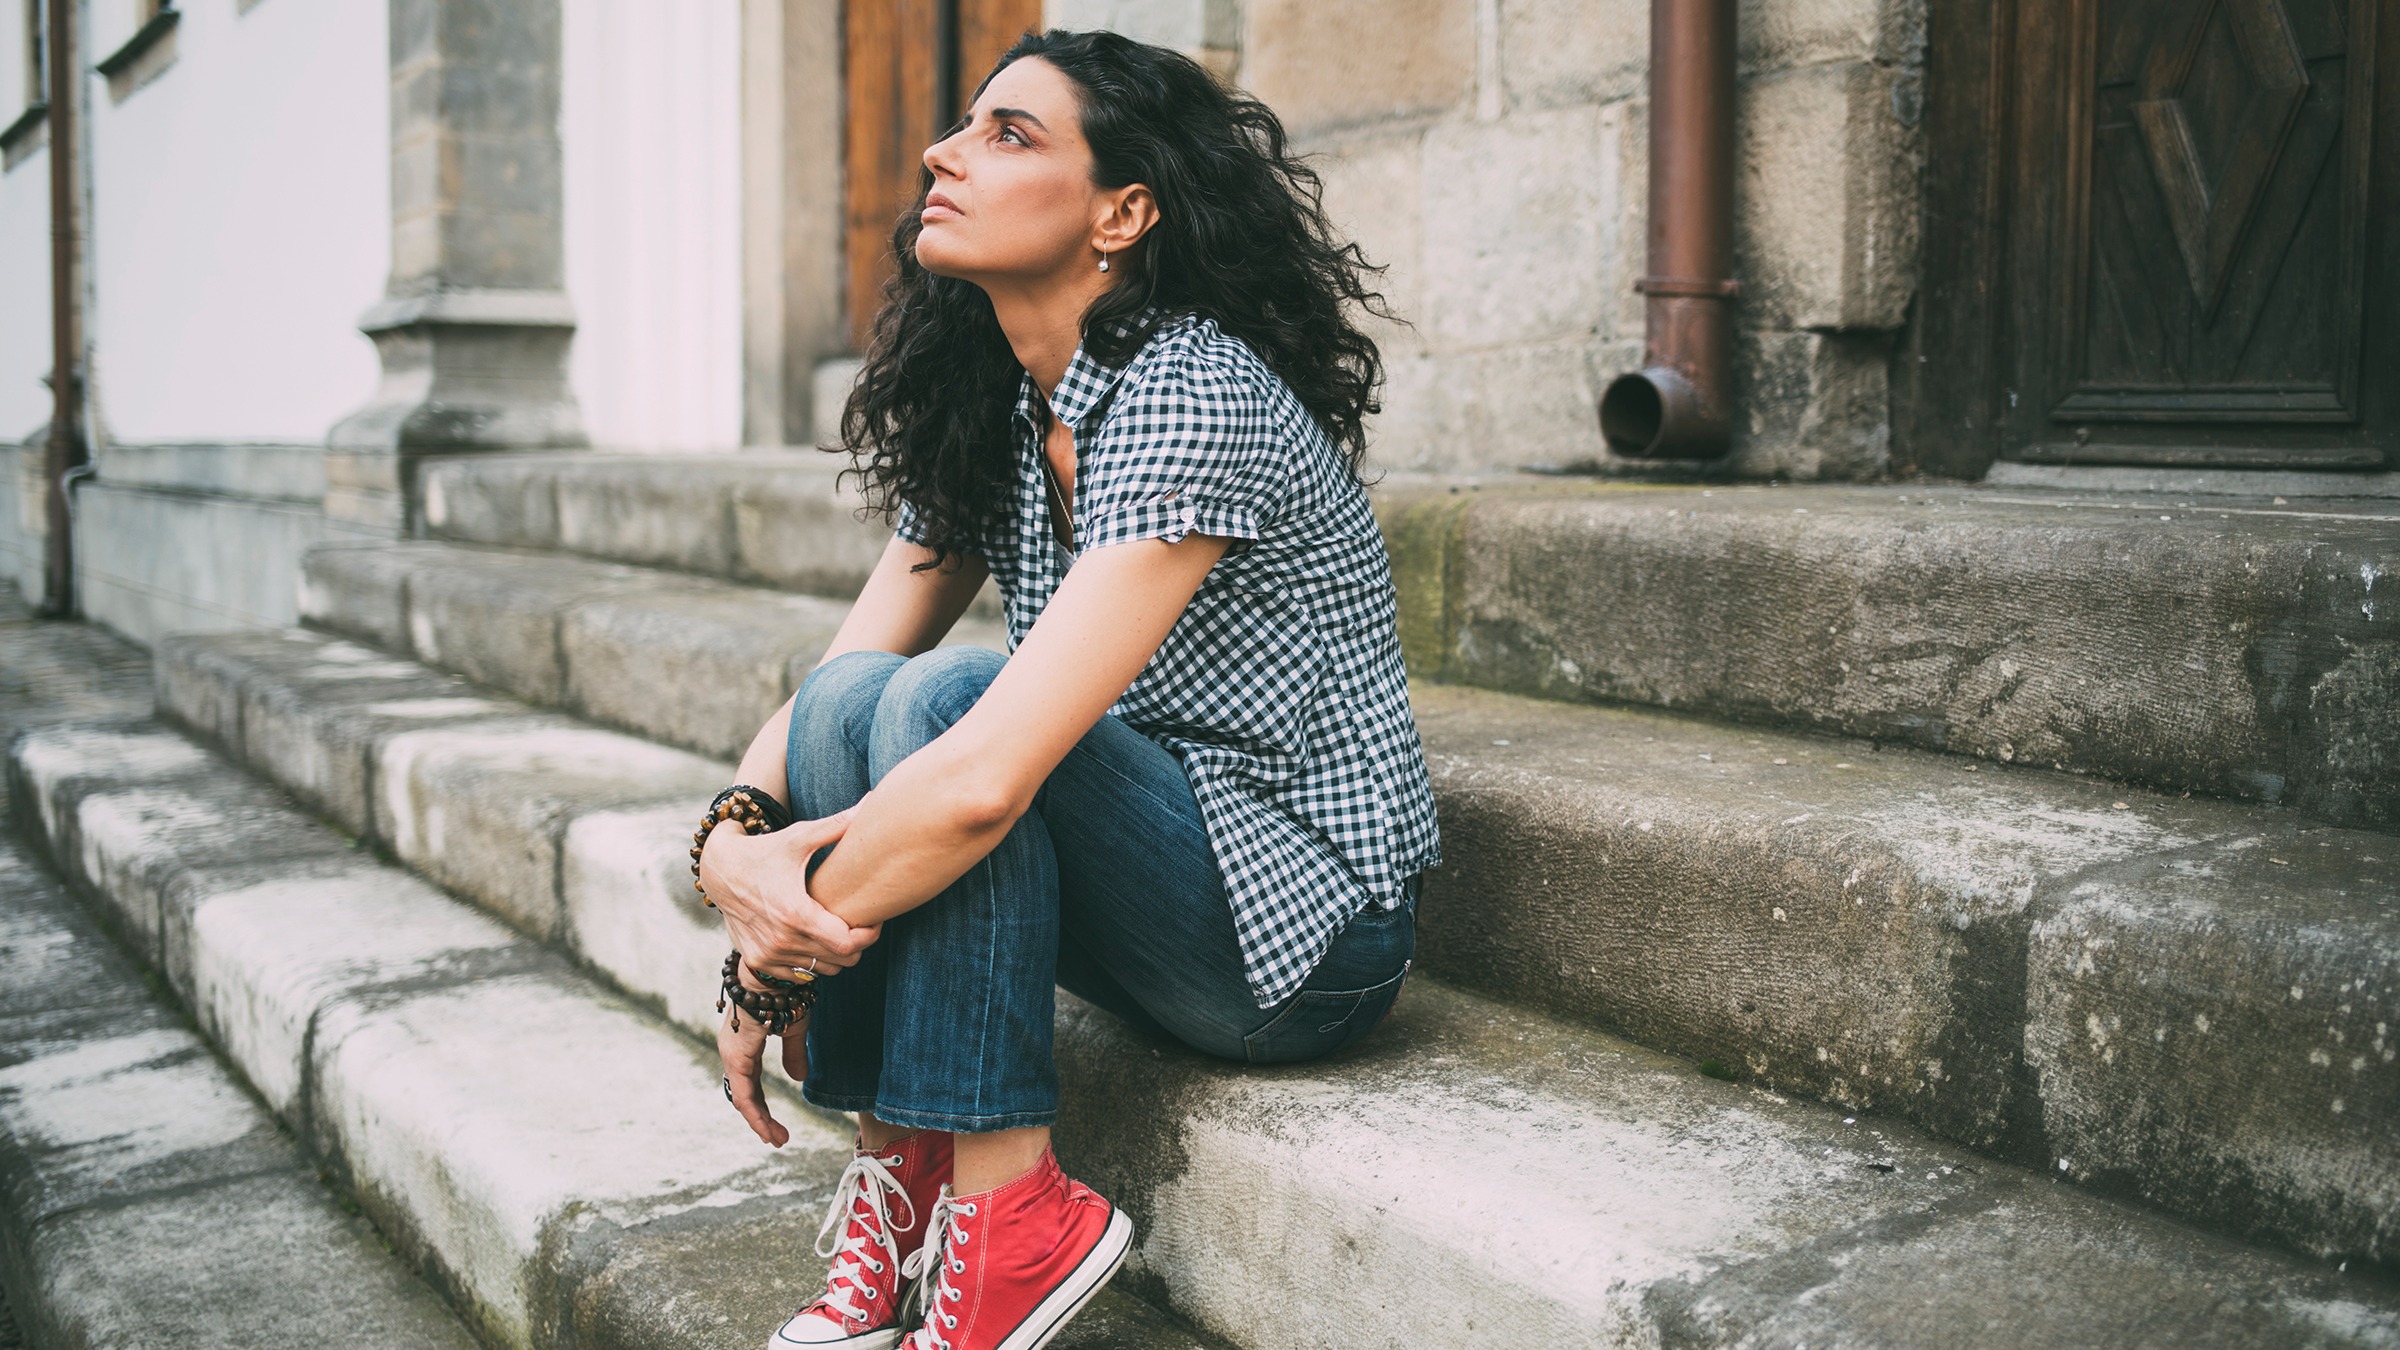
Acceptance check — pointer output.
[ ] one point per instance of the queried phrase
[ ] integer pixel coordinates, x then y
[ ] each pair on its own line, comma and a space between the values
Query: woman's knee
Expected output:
843, 692
833, 719
928, 695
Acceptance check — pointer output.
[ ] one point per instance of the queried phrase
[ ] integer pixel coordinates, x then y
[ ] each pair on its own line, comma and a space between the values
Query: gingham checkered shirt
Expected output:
1281, 688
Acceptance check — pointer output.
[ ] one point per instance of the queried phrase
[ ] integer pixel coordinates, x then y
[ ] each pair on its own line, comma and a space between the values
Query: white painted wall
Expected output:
650, 122
24, 252
242, 222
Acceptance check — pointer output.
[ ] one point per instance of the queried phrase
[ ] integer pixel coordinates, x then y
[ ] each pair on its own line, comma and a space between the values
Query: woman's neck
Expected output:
1044, 322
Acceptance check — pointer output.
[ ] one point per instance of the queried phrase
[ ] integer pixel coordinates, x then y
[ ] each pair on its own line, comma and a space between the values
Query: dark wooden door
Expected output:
2200, 261
910, 68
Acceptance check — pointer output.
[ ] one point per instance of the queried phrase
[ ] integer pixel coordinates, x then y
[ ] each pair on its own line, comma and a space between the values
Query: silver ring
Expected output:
812, 965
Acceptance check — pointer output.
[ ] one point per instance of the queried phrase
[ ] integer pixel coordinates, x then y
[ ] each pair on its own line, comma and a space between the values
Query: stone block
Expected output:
650, 512
2280, 955
1554, 53
1498, 409
1323, 64
1189, 26
44, 764
1813, 407
260, 976
313, 708
2186, 652
738, 655
357, 590
145, 1189
481, 811
154, 562
262, 472
494, 617
797, 527
492, 499
484, 1159
632, 910
829, 389
1635, 1202
1665, 879
1517, 234
1784, 34
1825, 199
1374, 193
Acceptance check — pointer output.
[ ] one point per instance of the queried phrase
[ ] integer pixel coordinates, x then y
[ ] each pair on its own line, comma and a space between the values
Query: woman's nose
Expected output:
941, 157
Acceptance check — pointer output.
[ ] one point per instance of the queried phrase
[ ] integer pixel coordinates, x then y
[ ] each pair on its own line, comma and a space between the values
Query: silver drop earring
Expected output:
1103, 262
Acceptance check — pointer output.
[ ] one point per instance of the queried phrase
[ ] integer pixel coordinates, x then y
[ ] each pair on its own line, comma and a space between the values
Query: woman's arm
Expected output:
898, 610
943, 808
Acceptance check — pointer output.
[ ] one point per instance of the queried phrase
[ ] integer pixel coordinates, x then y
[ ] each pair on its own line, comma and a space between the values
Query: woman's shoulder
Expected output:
1191, 356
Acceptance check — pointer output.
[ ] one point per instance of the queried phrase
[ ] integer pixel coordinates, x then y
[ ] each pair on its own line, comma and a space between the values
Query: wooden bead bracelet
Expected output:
754, 811
775, 1007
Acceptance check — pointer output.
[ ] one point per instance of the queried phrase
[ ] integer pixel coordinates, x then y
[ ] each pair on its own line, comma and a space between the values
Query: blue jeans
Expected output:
1106, 886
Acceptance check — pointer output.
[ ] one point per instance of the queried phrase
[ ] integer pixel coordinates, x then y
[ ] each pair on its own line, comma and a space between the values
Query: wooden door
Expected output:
910, 67
2200, 264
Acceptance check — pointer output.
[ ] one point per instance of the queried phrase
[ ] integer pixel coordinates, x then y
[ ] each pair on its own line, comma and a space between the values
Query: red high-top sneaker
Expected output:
860, 1308
1004, 1270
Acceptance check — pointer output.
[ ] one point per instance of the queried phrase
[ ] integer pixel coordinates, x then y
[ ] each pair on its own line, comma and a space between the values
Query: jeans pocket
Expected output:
1318, 1021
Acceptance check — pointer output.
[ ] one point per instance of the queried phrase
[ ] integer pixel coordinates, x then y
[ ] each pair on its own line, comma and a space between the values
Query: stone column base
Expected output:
463, 371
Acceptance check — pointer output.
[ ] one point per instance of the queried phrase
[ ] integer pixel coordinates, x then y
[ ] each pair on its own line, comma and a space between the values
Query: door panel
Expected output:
891, 69
2193, 258
911, 67
986, 28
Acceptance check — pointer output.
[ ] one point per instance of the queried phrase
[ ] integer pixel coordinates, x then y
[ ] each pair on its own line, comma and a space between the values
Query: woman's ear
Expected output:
1129, 213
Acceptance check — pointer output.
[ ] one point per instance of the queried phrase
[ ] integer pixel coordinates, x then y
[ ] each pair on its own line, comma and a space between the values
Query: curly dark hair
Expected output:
1241, 238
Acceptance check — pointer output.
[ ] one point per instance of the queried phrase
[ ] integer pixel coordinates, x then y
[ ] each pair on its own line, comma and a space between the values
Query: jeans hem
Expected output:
958, 1124
837, 1101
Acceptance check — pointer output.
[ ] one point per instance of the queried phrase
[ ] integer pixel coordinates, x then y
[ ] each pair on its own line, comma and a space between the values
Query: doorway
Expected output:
910, 69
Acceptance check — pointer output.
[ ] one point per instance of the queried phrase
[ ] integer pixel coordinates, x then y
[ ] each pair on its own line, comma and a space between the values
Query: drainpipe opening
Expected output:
1656, 413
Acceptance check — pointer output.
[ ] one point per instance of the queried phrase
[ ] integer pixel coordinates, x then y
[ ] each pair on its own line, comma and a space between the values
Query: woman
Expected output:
1117, 374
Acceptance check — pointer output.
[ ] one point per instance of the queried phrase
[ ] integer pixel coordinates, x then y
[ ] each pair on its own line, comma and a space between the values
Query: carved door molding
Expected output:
2162, 232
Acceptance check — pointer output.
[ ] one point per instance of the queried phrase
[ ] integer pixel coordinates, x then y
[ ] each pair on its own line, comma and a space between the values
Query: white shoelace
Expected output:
941, 1236
869, 1181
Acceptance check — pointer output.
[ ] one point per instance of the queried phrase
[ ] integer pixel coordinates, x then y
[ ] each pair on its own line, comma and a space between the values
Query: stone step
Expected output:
142, 1192
2228, 646
560, 1163
1536, 1183
568, 632
2048, 969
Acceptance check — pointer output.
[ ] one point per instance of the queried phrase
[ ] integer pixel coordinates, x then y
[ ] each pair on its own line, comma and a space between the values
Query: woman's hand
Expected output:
759, 883
742, 1045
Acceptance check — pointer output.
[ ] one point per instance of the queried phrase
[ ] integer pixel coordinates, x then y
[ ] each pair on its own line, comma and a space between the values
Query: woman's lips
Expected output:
939, 207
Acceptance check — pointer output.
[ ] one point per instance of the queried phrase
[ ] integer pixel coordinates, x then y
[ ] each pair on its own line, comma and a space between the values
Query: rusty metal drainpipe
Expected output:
65, 452
1676, 407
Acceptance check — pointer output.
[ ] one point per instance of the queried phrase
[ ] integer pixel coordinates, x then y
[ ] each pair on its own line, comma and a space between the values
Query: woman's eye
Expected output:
1013, 133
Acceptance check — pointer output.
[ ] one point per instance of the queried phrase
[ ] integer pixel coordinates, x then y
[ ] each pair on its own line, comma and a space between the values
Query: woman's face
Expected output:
1012, 195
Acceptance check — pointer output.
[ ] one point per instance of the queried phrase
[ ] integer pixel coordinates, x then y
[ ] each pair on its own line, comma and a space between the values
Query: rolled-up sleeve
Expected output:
1195, 453
906, 525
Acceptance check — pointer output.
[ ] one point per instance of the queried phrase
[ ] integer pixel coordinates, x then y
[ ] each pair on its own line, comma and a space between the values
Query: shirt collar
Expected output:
1087, 383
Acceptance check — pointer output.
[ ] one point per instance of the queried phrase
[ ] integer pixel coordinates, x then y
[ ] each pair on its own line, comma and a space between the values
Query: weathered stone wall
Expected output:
179, 538
1493, 153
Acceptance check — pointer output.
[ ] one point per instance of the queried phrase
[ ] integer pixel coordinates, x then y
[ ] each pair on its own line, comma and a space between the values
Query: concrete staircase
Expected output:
2028, 977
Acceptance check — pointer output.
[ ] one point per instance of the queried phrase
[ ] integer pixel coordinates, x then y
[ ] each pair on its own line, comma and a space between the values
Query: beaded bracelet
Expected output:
754, 811
775, 1007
